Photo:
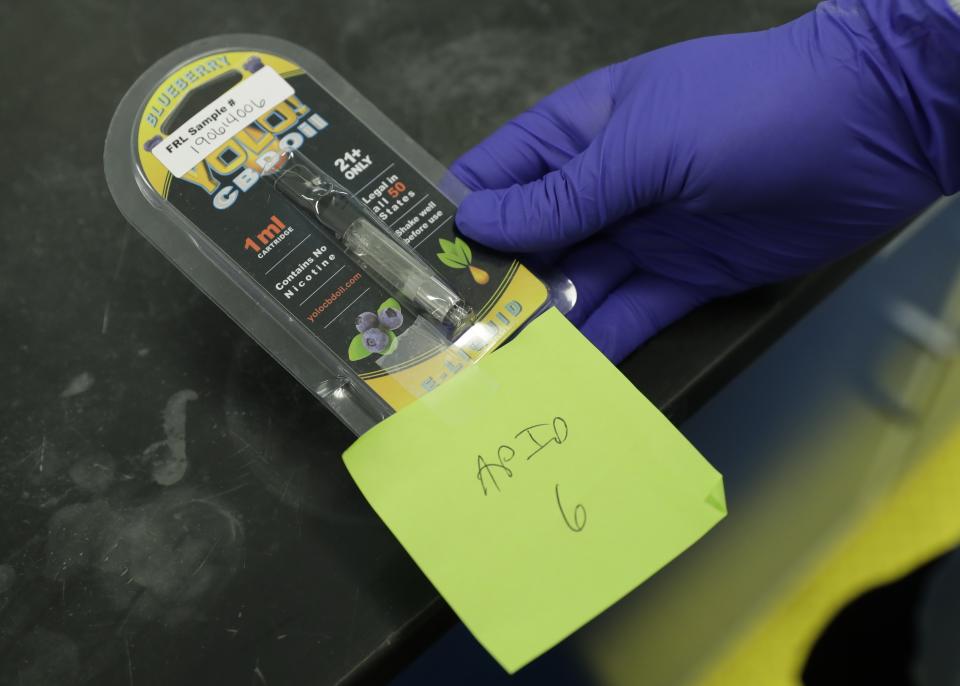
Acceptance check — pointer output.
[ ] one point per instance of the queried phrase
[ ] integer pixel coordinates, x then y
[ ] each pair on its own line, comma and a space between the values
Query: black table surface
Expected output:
262, 563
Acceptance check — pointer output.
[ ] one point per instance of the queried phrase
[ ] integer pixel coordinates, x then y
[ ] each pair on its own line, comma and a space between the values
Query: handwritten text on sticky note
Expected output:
536, 489
541, 436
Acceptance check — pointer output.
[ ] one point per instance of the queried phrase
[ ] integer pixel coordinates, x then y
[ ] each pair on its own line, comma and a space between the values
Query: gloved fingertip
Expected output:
512, 220
479, 217
612, 339
465, 174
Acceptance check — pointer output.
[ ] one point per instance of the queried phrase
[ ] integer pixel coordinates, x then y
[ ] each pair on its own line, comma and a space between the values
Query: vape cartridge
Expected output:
370, 244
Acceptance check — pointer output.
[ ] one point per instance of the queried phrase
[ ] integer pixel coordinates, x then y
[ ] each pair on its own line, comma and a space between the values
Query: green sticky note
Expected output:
536, 488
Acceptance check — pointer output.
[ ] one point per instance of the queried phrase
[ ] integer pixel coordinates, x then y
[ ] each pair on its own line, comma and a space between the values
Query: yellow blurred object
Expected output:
836, 445
918, 522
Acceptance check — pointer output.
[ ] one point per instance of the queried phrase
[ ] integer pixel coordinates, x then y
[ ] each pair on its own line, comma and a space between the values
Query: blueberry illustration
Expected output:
391, 318
253, 64
375, 340
366, 321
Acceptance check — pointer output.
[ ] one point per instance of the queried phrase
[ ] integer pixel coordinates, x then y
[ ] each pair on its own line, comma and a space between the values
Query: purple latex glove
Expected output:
712, 166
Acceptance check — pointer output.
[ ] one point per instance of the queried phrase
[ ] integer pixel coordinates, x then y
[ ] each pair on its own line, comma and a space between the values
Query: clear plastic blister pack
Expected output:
314, 222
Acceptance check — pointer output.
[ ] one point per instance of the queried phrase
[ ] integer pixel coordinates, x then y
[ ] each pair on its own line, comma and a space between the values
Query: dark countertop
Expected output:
262, 564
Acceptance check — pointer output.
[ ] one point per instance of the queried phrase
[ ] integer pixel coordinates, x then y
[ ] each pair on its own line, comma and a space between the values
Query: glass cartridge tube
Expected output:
404, 272
396, 265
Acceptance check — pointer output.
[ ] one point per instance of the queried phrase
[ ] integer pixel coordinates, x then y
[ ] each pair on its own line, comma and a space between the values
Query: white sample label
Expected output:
222, 119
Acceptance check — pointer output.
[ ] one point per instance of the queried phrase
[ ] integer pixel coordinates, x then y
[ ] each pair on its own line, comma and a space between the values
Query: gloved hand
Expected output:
715, 165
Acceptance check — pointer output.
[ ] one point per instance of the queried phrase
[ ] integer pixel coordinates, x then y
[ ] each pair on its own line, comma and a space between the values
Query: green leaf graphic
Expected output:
464, 250
458, 251
392, 345
449, 261
389, 302
357, 351
449, 248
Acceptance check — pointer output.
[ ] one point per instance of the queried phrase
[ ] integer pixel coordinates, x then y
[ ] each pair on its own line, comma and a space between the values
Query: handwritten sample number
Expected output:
579, 514
529, 442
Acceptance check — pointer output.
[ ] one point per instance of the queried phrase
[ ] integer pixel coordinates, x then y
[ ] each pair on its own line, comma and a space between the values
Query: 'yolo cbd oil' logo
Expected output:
237, 165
